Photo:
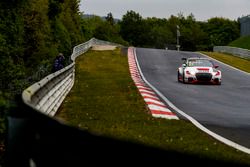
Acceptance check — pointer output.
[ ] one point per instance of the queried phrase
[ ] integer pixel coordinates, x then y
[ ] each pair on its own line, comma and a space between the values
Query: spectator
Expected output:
59, 62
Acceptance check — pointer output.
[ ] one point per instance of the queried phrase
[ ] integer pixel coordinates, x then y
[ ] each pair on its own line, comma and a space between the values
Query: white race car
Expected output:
199, 70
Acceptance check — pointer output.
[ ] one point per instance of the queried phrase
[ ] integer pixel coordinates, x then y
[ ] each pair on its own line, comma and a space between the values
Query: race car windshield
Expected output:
199, 63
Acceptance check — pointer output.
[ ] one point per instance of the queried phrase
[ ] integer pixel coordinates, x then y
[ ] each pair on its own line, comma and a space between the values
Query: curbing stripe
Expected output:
161, 105
147, 95
153, 98
146, 91
153, 102
164, 116
162, 112
157, 107
152, 94
143, 88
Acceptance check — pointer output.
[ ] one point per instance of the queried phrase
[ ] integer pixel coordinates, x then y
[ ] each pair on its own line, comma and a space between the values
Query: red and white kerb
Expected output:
158, 109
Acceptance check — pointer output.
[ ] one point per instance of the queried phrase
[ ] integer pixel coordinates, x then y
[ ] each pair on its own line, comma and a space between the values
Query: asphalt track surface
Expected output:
223, 109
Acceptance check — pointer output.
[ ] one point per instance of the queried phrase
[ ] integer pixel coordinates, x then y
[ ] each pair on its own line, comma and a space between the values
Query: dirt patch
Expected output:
103, 47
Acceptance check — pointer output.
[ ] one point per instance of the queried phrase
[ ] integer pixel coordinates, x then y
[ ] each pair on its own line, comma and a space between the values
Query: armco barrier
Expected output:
243, 53
48, 94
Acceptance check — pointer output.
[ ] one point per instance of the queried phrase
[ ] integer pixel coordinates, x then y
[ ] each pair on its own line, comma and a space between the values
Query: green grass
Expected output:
237, 62
242, 42
105, 101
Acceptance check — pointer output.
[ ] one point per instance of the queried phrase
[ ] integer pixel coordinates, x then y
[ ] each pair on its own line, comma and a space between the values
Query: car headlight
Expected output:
217, 73
187, 72
190, 72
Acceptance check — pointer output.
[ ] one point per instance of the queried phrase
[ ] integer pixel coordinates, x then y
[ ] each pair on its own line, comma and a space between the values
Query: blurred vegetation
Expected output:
33, 32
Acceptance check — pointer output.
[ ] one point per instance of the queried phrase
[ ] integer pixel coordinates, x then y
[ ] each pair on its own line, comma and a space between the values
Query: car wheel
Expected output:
218, 82
183, 78
178, 77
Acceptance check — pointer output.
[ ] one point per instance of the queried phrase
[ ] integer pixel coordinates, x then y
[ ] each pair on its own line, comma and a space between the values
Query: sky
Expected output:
201, 9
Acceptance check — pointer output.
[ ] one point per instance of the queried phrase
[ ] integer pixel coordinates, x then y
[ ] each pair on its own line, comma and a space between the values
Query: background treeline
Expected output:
160, 33
33, 32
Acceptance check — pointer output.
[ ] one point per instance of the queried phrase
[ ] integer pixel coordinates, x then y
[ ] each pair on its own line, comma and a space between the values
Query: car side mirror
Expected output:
216, 66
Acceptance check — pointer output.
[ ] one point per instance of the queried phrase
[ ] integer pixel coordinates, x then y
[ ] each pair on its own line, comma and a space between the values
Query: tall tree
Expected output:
222, 31
133, 28
110, 19
89, 25
191, 33
159, 35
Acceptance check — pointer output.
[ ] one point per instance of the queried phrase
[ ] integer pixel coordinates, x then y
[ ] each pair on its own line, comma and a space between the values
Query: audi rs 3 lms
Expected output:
198, 70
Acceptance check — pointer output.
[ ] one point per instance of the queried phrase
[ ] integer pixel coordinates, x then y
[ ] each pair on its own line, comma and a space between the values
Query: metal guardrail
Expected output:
48, 94
243, 53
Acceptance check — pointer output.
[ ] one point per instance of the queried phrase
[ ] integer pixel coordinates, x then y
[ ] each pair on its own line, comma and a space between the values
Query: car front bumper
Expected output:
203, 78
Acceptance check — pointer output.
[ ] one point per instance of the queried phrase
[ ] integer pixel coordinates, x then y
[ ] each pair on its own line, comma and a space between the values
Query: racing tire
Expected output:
218, 82
178, 77
183, 78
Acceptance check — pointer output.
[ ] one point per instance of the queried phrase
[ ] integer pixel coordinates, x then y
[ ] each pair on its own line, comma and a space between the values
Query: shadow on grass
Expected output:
47, 142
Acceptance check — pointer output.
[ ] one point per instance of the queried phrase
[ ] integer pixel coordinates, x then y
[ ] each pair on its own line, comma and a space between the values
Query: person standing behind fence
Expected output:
59, 62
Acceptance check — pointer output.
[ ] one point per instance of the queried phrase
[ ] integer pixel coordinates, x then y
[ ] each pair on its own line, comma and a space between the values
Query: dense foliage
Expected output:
32, 33
102, 28
161, 33
195, 35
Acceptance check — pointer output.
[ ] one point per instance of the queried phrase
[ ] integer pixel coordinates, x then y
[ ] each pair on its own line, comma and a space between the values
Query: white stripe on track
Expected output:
153, 101
146, 91
155, 107
147, 95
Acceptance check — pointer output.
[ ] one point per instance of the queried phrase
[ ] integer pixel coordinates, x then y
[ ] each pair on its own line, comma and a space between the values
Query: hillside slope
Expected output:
242, 42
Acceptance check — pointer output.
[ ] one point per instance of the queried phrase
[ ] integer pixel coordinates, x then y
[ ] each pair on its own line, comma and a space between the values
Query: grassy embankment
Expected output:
242, 42
105, 101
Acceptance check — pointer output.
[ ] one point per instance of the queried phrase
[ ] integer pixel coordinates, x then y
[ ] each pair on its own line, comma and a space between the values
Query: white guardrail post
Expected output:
47, 95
